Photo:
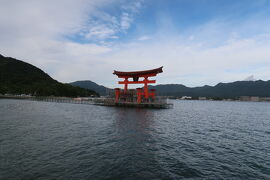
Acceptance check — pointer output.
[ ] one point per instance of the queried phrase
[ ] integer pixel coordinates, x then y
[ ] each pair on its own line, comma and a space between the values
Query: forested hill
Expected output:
87, 84
221, 90
18, 77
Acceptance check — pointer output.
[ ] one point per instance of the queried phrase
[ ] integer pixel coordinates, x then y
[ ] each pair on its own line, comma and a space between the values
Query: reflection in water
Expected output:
129, 119
137, 143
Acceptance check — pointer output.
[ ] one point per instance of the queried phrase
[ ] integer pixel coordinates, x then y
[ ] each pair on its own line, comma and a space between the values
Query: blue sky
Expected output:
197, 41
183, 16
178, 16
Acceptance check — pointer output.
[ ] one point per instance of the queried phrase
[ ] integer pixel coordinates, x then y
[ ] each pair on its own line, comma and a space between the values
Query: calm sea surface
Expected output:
195, 140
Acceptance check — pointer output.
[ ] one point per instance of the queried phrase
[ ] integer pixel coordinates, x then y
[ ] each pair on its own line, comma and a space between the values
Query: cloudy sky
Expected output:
197, 41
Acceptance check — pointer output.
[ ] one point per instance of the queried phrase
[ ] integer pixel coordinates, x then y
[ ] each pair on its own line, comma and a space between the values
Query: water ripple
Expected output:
195, 140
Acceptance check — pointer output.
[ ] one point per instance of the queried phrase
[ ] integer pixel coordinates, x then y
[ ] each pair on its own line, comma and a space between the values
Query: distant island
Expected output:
18, 77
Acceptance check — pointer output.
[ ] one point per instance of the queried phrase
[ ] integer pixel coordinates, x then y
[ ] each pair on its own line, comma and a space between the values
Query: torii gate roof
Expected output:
139, 73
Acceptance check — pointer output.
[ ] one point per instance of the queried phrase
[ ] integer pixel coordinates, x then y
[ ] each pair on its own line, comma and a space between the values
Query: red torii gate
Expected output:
135, 75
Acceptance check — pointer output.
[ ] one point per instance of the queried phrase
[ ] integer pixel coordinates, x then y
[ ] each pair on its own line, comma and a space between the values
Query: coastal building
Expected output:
202, 98
186, 97
254, 98
250, 98
264, 98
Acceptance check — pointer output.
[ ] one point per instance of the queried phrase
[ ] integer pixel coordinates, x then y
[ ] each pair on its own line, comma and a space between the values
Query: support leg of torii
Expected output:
146, 95
117, 94
139, 95
126, 85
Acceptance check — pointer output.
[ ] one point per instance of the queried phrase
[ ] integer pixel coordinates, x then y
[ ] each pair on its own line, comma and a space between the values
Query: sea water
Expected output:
195, 139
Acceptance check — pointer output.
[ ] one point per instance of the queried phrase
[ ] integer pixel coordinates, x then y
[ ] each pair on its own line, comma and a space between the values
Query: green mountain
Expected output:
222, 90
102, 90
18, 77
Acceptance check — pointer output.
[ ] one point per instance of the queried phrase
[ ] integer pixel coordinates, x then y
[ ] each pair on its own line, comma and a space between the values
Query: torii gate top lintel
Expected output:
151, 72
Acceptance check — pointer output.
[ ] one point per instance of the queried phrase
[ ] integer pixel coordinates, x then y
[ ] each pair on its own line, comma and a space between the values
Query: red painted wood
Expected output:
139, 95
117, 94
138, 82
130, 76
138, 73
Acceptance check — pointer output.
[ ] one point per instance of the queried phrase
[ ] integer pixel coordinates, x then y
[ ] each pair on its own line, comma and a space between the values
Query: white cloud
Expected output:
100, 32
35, 31
104, 26
144, 38
125, 21
194, 64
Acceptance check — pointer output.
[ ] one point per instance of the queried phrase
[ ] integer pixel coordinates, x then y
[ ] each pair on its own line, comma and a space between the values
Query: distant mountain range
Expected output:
102, 90
18, 77
222, 90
